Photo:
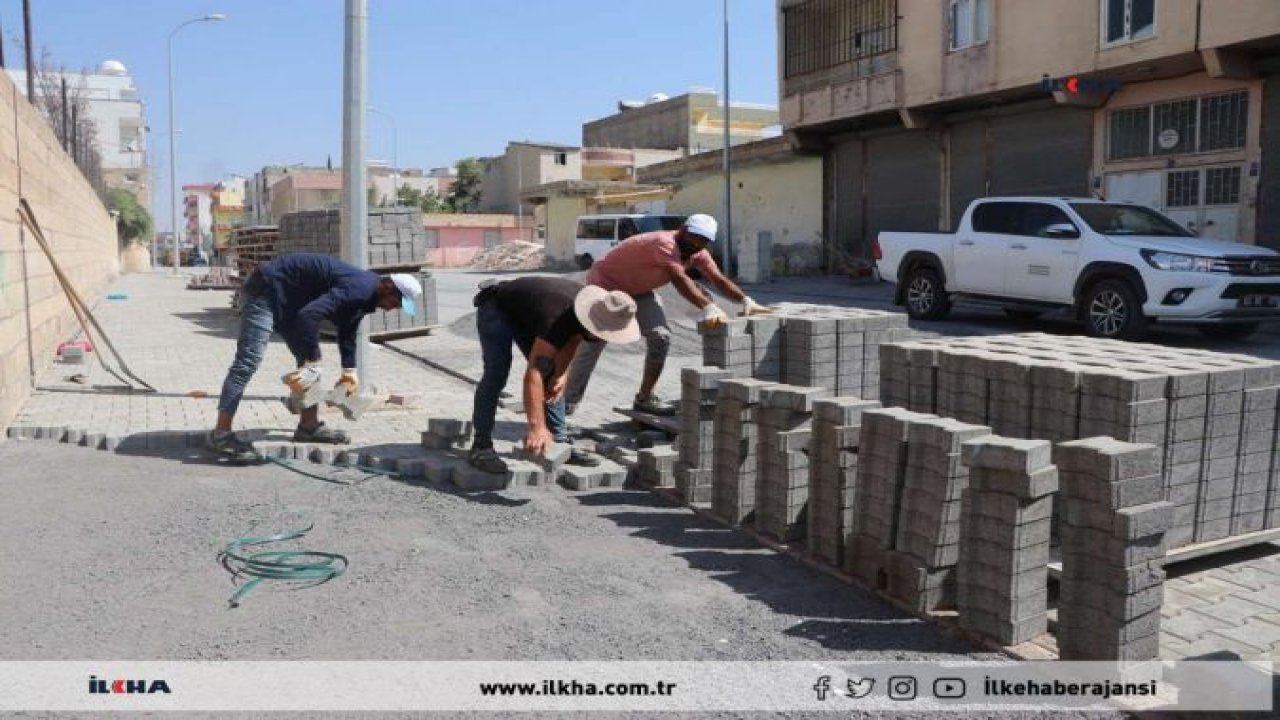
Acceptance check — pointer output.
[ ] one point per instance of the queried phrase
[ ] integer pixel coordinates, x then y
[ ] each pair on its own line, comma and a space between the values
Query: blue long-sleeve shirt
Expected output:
308, 288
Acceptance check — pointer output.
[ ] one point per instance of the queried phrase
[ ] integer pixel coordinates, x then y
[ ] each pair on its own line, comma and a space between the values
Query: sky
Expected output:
459, 78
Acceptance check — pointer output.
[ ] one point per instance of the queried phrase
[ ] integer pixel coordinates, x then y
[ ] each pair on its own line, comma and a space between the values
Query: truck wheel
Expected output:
1231, 331
926, 297
1111, 310
585, 261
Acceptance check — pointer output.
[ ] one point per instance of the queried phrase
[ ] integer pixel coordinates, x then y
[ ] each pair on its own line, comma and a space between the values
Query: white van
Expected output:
598, 234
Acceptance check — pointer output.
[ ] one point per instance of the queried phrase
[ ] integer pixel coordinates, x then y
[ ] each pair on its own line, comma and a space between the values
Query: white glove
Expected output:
712, 316
751, 307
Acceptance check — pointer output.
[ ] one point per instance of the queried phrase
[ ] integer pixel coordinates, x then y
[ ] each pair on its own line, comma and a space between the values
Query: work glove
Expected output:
712, 317
350, 381
750, 307
301, 380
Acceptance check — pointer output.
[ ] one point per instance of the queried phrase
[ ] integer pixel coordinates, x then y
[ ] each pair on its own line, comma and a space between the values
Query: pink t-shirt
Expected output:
644, 262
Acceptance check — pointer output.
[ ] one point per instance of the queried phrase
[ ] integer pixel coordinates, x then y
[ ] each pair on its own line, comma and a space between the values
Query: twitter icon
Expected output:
861, 687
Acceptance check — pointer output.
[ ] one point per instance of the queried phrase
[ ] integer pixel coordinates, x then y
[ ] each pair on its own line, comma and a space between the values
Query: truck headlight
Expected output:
1176, 262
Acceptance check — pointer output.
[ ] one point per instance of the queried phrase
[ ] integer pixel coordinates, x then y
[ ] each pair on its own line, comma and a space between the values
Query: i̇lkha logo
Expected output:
122, 686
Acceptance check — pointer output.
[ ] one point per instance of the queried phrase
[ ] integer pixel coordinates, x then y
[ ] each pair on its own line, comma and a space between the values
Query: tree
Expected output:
133, 221
464, 196
409, 196
433, 203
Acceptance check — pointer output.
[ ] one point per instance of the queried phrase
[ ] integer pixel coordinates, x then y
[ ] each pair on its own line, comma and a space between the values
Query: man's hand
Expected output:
537, 440
301, 380
349, 381
555, 390
712, 317
750, 307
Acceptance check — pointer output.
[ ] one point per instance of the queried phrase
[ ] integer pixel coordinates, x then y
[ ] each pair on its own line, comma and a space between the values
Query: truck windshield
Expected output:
650, 223
1115, 219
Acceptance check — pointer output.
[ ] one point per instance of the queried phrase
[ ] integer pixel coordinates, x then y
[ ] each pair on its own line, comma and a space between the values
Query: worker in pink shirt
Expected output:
640, 265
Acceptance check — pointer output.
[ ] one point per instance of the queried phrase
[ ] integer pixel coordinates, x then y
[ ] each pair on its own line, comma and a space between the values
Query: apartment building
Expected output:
692, 123
919, 106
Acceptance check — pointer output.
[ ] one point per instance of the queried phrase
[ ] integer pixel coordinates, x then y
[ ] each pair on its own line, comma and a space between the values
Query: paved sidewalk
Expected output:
182, 341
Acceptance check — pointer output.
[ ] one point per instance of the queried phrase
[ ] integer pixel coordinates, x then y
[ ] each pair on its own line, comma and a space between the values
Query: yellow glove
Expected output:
712, 317
301, 380
349, 381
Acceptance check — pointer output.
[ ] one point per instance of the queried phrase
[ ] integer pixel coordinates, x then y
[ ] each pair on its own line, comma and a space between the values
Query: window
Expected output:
627, 228
1037, 217
1208, 124
996, 217
820, 34
1222, 186
562, 158
968, 23
1116, 219
1127, 20
1182, 189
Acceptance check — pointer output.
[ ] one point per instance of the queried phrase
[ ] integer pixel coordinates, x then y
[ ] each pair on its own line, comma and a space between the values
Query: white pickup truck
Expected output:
1117, 267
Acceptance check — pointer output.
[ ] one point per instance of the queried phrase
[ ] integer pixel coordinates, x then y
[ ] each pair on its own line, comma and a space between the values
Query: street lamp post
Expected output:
395, 155
173, 161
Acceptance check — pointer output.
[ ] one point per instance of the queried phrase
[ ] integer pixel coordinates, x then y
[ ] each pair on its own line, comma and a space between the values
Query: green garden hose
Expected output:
306, 566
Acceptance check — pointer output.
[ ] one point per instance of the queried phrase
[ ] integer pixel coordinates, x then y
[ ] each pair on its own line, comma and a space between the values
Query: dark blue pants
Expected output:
497, 334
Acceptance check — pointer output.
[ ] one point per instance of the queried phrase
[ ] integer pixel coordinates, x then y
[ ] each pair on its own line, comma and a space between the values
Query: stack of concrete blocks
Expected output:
397, 239
783, 420
699, 390
808, 345
734, 469
922, 568
882, 466
729, 347
1002, 572
1212, 416
446, 434
657, 465
833, 468
1113, 546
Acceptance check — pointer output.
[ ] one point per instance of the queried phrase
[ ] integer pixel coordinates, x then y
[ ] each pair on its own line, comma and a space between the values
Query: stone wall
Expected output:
34, 314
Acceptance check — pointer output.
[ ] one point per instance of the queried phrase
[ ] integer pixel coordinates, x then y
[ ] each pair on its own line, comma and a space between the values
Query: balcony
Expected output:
840, 60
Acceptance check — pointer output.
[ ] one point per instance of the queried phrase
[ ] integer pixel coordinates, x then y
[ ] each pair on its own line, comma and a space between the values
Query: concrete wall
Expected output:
562, 225
79, 230
782, 201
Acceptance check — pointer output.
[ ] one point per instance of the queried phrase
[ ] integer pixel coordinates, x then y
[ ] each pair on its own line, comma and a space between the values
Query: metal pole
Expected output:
173, 153
66, 132
355, 211
519, 191
727, 252
28, 44
1, 47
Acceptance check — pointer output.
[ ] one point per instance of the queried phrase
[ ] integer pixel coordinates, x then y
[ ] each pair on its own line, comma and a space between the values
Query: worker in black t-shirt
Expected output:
547, 317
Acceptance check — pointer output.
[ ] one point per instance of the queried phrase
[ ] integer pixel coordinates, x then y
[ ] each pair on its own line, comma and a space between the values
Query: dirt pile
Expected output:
516, 255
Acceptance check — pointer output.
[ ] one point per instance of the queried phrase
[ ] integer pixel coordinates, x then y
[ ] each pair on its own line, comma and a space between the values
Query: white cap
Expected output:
410, 292
702, 225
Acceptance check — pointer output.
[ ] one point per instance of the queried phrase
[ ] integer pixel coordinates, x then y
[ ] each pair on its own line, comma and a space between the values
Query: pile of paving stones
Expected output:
783, 418
1211, 416
833, 468
699, 389
1112, 584
734, 467
809, 345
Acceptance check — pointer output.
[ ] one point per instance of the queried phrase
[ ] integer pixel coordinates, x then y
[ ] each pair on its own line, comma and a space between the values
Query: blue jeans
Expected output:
256, 325
497, 333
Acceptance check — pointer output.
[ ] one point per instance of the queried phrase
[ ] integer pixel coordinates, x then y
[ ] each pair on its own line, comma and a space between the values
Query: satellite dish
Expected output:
113, 67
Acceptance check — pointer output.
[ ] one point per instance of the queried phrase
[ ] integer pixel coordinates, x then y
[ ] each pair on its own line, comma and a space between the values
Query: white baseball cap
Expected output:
410, 292
702, 225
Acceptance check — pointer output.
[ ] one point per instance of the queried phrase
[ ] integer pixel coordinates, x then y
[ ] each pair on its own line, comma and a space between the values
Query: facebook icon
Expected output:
822, 687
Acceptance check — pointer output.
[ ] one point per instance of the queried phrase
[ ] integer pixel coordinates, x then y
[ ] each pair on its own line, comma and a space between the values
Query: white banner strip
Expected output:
632, 686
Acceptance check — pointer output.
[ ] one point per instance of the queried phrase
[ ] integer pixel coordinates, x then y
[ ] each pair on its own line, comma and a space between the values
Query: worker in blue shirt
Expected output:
291, 295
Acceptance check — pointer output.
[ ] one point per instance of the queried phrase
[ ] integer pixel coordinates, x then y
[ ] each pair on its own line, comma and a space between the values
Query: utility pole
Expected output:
28, 46
727, 253
355, 202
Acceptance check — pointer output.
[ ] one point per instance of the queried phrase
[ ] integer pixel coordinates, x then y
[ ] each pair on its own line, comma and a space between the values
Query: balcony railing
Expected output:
821, 34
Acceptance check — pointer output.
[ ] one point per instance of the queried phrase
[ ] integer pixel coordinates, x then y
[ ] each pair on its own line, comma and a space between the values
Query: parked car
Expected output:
1117, 267
598, 234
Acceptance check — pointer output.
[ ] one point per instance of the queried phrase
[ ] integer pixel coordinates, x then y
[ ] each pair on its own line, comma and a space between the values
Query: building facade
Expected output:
691, 123
228, 209
525, 165
258, 194
197, 216
119, 116
918, 107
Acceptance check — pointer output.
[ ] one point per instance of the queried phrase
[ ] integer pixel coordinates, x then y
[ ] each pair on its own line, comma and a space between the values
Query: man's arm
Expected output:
687, 288
538, 376
307, 330
347, 342
726, 286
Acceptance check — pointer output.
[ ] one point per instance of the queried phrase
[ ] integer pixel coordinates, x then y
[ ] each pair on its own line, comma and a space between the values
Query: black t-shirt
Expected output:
541, 307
